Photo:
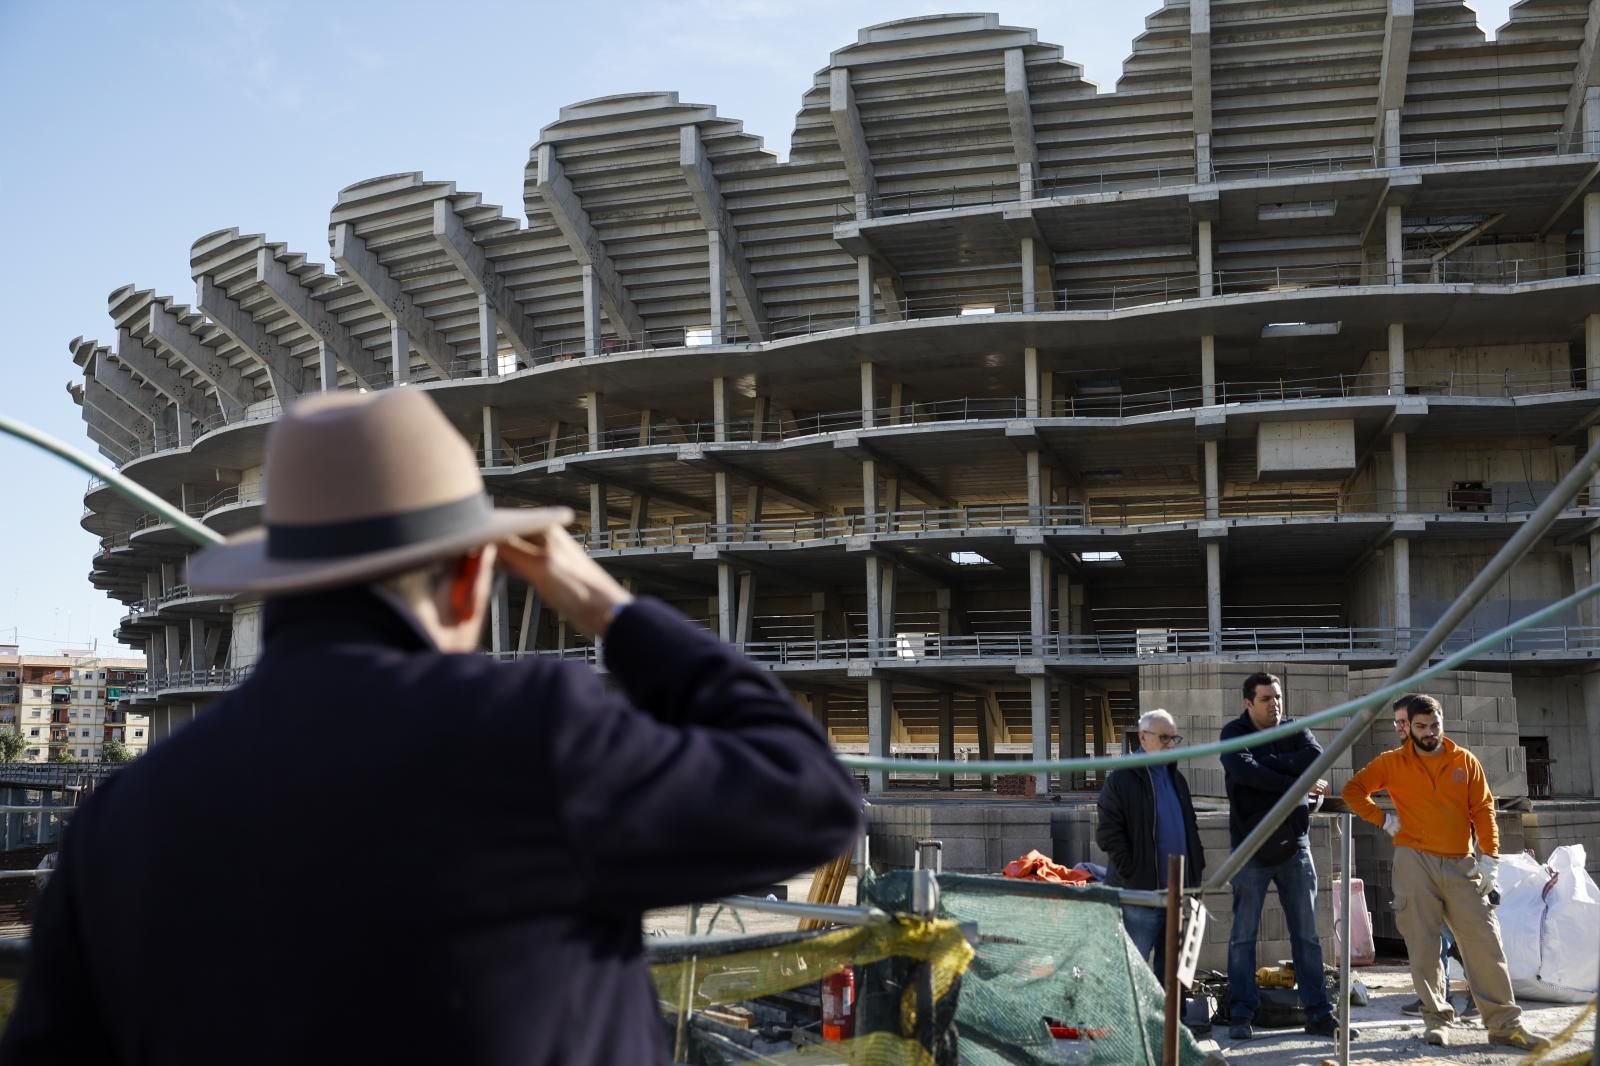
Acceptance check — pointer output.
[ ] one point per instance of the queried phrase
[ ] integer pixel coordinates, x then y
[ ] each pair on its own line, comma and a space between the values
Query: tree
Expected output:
11, 744
115, 751
62, 755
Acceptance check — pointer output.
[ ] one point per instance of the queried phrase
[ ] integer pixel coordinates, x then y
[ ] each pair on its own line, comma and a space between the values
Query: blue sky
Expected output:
131, 129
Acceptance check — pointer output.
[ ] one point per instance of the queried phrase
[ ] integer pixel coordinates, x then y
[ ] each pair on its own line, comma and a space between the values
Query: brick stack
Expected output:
1016, 785
1553, 823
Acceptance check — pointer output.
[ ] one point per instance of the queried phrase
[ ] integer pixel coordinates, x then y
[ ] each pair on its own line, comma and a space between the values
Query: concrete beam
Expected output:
481, 278
1580, 121
707, 195
283, 370
158, 374
1397, 26
355, 259
852, 140
106, 432
312, 315
120, 383
132, 419
567, 211
1200, 82
1019, 109
695, 455
109, 445
580, 473
168, 330
1582, 189
852, 444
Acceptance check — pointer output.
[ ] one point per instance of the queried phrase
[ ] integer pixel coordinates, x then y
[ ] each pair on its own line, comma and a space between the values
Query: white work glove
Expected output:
1488, 874
1391, 824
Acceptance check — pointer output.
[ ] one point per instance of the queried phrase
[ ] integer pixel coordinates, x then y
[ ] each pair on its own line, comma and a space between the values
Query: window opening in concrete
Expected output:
968, 559
1300, 329
697, 336
1301, 209
1102, 559
978, 309
1150, 641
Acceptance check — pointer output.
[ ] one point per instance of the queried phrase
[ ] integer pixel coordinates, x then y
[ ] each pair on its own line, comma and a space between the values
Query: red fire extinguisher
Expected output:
838, 1005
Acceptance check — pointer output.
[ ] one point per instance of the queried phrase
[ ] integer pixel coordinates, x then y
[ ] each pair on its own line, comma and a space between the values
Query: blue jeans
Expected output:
1147, 928
1296, 879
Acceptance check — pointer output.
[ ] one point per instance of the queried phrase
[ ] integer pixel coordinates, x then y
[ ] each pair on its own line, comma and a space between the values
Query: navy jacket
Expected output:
375, 852
1126, 831
1257, 777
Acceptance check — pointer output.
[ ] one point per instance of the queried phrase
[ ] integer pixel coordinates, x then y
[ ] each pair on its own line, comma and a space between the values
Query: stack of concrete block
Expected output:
977, 838
1480, 714
1016, 785
1553, 823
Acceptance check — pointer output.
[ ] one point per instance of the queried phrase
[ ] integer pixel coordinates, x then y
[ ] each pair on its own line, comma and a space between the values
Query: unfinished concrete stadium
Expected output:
1015, 407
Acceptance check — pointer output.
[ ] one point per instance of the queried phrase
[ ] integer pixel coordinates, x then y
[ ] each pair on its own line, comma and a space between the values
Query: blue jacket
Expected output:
375, 852
1257, 777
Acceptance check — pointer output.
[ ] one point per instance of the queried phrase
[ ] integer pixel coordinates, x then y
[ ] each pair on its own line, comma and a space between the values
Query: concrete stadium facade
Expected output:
1003, 408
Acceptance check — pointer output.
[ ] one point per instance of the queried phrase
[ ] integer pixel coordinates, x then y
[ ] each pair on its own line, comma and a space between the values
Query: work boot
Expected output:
1241, 1031
1414, 1008
1328, 1026
1519, 1038
1437, 1035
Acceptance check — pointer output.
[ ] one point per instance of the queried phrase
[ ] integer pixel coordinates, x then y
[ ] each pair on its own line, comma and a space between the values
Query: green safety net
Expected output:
1046, 951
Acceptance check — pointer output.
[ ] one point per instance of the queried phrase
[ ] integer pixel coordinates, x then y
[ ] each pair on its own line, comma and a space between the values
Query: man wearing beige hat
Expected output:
383, 847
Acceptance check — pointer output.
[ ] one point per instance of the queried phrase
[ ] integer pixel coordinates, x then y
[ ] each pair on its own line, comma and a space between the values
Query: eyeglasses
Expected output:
1168, 740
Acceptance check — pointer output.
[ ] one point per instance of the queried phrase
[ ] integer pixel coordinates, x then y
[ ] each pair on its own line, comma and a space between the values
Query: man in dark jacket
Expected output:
1146, 816
384, 847
1256, 778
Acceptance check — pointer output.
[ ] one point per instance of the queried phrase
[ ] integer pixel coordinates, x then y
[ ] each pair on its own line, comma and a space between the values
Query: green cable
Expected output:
135, 492
1221, 747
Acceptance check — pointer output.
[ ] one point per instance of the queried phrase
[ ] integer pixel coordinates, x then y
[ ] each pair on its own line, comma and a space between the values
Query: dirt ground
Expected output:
1387, 1036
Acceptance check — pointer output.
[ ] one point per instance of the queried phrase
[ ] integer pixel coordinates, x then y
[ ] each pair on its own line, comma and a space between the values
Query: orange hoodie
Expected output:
1441, 799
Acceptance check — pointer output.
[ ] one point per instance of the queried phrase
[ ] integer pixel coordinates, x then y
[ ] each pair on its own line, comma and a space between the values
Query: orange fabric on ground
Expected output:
1036, 867
1441, 799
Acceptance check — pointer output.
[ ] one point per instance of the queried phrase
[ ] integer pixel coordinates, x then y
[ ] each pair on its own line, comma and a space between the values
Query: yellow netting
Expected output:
936, 952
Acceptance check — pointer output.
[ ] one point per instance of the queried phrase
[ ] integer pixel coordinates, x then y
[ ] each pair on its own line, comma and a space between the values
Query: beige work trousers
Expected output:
1430, 889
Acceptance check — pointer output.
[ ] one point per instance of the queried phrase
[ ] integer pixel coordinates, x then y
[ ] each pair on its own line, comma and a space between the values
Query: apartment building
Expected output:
67, 706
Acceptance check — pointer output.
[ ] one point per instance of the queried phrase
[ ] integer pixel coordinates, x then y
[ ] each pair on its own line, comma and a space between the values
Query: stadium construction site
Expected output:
1003, 410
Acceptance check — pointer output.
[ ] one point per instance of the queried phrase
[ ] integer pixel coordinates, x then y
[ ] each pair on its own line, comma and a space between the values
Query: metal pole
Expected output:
1514, 549
1347, 822
1169, 981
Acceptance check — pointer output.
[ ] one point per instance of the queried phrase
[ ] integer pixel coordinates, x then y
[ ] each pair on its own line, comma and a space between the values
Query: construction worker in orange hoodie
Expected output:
1441, 800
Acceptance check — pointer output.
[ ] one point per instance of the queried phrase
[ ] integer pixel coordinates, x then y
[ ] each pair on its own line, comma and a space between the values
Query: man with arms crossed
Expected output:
1442, 798
1146, 815
1255, 779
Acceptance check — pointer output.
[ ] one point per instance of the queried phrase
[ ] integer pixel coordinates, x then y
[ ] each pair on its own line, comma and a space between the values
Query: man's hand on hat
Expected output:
572, 584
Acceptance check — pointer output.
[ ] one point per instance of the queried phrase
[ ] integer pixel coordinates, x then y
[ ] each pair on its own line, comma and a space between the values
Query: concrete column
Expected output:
1591, 354
1063, 604
1035, 478
500, 615
1039, 712
1073, 729
947, 737
599, 516
532, 612
1030, 382
327, 367
399, 353
488, 340
492, 453
1397, 359
1591, 132
1391, 137
744, 620
197, 645
1025, 181
1591, 715
863, 291
174, 646
1202, 240
1393, 245
1208, 370
820, 713
985, 739
1214, 594
591, 311
727, 592
874, 578
1402, 588
716, 285
1213, 476
880, 729
719, 409
1038, 599
869, 397
1030, 293
1401, 475
1591, 233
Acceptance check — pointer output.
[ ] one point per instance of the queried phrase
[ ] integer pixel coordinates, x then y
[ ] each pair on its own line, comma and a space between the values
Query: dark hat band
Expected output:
367, 536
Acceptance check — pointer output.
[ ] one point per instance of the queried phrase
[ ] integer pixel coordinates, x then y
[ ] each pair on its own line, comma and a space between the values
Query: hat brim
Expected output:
240, 565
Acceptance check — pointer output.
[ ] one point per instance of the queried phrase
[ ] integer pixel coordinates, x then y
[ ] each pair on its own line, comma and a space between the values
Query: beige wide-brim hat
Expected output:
357, 487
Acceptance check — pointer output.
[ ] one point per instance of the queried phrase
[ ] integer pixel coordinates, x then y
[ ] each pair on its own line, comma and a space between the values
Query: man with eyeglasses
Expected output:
1442, 799
1256, 778
1146, 816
